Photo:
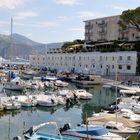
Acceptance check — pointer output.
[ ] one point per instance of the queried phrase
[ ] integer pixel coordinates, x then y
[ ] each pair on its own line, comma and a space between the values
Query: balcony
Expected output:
101, 39
103, 31
123, 30
88, 26
128, 62
101, 61
102, 23
138, 37
120, 62
123, 38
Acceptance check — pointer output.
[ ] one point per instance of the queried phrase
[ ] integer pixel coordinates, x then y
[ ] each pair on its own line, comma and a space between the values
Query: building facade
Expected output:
37, 61
89, 62
108, 29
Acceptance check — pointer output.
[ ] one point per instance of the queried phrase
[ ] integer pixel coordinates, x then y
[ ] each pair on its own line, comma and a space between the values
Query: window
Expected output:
112, 66
128, 57
133, 35
113, 58
128, 67
73, 57
100, 57
101, 66
120, 67
79, 57
93, 66
120, 57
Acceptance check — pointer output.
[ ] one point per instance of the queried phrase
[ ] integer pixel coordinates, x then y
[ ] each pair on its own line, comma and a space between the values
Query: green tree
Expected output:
130, 18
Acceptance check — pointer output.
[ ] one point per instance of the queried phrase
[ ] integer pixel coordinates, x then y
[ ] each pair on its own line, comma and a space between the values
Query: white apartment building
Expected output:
108, 29
37, 61
89, 62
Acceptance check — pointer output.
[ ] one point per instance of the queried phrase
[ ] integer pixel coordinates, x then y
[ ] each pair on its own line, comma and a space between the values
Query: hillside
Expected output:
19, 46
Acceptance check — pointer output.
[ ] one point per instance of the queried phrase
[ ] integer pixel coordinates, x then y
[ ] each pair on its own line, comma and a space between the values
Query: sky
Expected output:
50, 21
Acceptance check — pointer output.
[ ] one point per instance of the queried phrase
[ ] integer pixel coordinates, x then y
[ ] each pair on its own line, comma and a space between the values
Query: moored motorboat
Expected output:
15, 84
60, 83
96, 132
117, 127
33, 133
82, 94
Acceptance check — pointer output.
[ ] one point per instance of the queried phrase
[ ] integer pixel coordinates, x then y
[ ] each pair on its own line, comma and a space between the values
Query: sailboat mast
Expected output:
116, 78
11, 29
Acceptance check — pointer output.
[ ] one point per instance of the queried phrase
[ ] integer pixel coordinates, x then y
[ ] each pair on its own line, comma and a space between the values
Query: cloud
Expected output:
46, 24
3, 23
6, 32
116, 7
89, 14
66, 2
28, 35
76, 29
41, 24
62, 18
10, 4
26, 14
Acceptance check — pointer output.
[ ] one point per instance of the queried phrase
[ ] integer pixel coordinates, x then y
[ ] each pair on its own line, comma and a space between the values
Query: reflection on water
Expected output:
74, 114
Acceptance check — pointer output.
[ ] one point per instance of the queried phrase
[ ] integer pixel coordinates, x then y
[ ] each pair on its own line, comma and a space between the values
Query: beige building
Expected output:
107, 29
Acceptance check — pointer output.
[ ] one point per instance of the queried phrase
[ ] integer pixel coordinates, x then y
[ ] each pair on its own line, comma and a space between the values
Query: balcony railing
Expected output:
121, 62
123, 30
102, 23
88, 26
138, 37
128, 62
102, 31
123, 38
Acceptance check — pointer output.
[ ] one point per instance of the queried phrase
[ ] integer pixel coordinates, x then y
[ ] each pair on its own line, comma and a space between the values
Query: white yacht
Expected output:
15, 84
116, 127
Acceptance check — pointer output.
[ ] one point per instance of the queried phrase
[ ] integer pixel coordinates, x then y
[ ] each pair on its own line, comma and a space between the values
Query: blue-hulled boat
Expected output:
95, 132
33, 133
46, 136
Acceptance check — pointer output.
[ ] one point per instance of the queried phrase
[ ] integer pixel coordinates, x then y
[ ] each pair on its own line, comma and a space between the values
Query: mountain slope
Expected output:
19, 46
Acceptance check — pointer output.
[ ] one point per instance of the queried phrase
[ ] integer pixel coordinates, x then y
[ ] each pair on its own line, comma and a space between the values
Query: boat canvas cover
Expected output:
91, 130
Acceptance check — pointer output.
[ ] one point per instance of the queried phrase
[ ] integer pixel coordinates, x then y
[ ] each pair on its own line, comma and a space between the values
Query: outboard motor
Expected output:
65, 127
17, 138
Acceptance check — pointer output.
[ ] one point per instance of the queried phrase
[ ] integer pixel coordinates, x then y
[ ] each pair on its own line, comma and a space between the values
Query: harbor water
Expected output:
13, 123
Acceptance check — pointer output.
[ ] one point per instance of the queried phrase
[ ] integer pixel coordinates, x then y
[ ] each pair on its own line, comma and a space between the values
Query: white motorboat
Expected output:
127, 113
47, 100
60, 83
82, 94
136, 108
15, 84
116, 127
25, 101
11, 105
